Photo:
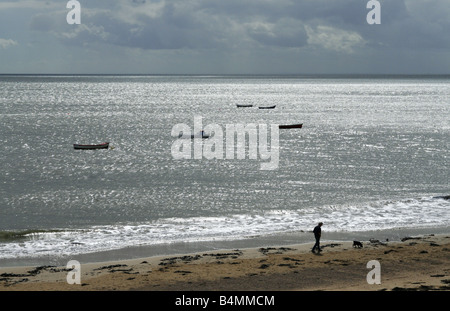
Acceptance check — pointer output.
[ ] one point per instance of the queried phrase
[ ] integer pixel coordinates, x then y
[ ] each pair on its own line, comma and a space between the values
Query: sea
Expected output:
371, 160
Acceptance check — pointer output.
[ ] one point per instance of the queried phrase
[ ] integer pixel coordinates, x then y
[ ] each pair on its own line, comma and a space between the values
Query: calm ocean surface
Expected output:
373, 154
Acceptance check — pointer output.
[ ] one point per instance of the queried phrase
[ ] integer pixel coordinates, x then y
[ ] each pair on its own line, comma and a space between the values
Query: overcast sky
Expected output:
225, 37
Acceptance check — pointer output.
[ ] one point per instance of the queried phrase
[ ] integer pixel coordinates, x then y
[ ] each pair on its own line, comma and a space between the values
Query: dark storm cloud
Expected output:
165, 26
298, 35
209, 24
183, 24
172, 28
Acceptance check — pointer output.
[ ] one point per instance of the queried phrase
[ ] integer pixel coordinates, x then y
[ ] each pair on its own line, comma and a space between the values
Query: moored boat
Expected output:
291, 126
202, 134
97, 146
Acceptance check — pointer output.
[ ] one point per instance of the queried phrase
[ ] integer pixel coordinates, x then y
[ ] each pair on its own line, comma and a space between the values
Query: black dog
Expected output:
357, 244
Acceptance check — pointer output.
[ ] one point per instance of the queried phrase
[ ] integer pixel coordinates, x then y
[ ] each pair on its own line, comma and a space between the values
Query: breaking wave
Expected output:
427, 212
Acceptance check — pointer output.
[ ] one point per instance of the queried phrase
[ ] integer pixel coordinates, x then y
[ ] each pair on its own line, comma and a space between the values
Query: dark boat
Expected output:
291, 126
243, 106
87, 147
267, 107
444, 197
202, 134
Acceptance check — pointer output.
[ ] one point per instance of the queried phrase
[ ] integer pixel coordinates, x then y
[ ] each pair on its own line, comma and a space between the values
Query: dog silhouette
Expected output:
357, 244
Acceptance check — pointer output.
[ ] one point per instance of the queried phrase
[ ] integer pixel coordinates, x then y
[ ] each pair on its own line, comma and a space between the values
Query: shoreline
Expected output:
176, 248
413, 263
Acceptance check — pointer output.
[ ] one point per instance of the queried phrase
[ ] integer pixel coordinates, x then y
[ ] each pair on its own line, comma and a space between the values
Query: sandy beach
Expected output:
415, 263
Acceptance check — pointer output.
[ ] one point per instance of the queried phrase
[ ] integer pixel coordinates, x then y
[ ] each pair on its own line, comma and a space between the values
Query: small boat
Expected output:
444, 197
98, 146
268, 107
202, 134
243, 106
291, 126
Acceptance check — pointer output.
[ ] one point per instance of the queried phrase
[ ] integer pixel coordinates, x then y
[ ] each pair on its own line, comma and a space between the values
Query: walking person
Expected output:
317, 234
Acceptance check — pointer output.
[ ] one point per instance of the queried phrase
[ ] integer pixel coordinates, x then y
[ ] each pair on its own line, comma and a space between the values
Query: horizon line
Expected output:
226, 74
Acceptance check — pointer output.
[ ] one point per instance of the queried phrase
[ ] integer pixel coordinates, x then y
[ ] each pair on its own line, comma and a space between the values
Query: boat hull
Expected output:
91, 147
291, 126
192, 136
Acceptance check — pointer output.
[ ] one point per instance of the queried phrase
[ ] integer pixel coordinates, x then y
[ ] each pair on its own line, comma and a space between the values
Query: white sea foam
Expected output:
382, 215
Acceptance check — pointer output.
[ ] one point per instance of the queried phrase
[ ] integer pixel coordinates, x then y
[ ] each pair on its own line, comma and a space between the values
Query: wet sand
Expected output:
415, 263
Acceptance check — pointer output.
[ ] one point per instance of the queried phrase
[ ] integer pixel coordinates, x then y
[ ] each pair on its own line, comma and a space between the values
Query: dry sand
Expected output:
419, 263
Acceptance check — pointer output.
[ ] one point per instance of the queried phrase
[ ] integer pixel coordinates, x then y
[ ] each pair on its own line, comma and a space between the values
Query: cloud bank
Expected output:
321, 33
6, 43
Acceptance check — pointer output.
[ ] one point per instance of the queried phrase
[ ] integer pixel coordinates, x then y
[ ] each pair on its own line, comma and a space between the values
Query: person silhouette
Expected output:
317, 234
